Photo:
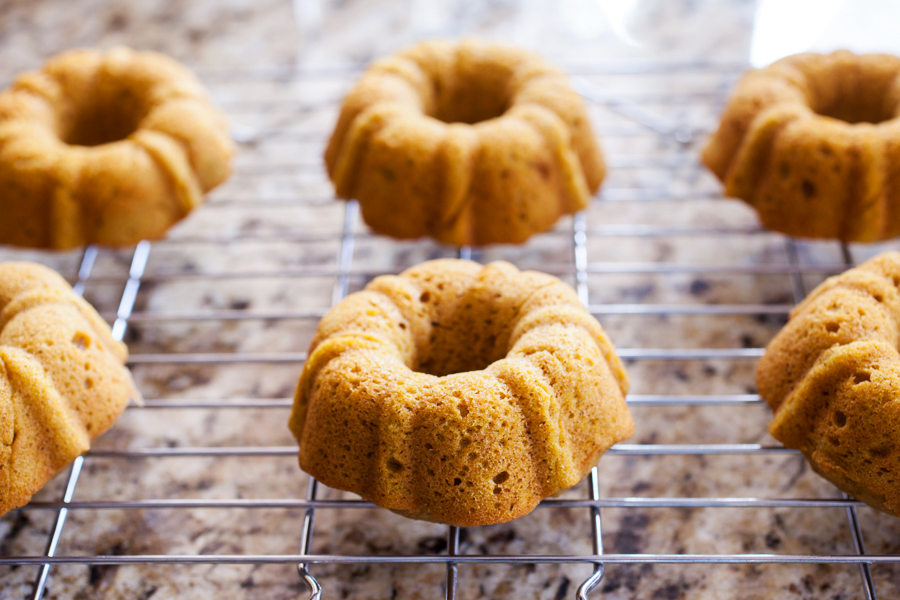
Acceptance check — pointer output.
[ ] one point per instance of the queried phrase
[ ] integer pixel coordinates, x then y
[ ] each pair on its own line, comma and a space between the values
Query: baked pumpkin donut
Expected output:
469, 143
62, 378
106, 147
459, 393
832, 376
813, 143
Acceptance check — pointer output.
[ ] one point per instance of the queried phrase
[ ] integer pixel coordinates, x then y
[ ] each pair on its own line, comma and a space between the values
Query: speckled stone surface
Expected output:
275, 231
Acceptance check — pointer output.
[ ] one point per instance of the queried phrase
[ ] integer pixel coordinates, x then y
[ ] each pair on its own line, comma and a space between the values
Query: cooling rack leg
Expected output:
126, 304
865, 571
452, 569
41, 583
315, 590
345, 257
469, 253
464, 253
847, 255
597, 539
797, 287
799, 290
579, 249
590, 583
84, 271
339, 292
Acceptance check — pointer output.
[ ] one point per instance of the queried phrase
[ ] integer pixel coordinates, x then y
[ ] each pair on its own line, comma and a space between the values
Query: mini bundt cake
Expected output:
832, 376
813, 143
62, 379
459, 393
469, 143
107, 147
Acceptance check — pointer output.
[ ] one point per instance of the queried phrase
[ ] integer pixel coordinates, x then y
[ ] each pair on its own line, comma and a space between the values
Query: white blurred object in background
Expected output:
785, 27
308, 16
589, 19
432, 17
618, 13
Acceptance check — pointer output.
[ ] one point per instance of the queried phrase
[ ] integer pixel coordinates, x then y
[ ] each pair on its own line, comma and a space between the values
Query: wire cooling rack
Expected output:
653, 251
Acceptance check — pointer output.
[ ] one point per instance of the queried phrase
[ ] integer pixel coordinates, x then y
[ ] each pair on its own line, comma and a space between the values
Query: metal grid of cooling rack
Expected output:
639, 120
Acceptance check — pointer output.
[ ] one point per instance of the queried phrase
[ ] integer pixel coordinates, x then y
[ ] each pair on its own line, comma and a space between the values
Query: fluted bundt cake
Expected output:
832, 376
469, 143
62, 381
107, 147
813, 143
459, 393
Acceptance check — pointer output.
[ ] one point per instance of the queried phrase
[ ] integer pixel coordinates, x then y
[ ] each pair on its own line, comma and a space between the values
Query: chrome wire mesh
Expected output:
656, 118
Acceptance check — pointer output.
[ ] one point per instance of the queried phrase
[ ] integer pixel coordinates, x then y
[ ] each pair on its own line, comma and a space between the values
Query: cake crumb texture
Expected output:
459, 393
62, 379
832, 376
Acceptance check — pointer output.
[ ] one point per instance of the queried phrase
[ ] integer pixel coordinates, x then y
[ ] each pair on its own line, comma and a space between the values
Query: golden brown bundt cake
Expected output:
813, 142
459, 393
107, 147
469, 143
832, 376
62, 379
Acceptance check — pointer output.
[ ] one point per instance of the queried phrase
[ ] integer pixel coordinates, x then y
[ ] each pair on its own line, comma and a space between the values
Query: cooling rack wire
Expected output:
630, 114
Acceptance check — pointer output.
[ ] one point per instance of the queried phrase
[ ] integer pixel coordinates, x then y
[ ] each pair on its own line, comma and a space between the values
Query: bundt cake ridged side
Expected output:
106, 147
813, 143
392, 405
62, 379
832, 376
469, 143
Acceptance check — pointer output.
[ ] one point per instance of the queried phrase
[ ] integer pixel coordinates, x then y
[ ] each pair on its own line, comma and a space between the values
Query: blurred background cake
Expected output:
470, 143
106, 147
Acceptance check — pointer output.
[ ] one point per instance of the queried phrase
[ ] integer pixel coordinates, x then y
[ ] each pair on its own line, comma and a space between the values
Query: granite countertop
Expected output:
277, 216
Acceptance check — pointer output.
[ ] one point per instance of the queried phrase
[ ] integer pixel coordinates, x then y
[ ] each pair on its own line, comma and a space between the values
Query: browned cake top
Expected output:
459, 392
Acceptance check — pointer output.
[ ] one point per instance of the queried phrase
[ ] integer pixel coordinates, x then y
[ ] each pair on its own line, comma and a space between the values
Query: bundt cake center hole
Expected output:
861, 106
108, 117
471, 101
459, 346
446, 357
